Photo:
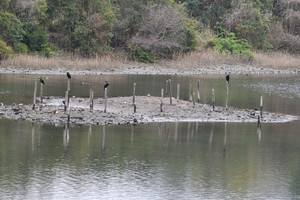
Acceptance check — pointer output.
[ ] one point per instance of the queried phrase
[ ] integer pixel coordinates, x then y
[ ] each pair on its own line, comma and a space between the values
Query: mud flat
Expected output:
120, 111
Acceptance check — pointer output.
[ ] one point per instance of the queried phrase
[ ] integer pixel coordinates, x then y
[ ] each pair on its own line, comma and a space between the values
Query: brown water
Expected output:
157, 160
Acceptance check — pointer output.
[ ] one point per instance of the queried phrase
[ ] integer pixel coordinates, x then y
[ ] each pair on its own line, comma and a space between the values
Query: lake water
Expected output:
157, 160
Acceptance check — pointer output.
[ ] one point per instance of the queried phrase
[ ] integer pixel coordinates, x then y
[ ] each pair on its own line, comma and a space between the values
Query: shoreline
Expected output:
120, 112
156, 69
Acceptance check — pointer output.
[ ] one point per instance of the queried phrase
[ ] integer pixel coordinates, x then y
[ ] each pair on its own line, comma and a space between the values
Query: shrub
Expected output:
228, 43
5, 51
141, 55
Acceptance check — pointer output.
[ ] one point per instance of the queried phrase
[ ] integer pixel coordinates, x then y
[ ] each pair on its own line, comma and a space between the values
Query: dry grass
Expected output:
192, 60
203, 58
276, 60
39, 62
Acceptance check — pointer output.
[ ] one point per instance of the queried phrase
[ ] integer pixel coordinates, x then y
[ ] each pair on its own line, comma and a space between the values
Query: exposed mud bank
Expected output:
120, 111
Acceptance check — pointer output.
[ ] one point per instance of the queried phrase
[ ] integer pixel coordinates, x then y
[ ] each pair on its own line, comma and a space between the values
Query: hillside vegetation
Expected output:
148, 31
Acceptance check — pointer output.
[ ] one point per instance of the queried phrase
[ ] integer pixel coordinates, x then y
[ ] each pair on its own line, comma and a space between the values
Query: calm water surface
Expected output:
157, 160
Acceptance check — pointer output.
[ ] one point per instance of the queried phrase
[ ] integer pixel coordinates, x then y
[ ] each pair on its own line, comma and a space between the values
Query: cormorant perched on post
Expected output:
227, 78
106, 85
42, 81
68, 75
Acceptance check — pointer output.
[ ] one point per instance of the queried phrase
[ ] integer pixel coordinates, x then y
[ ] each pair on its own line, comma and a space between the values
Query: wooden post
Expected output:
133, 98
213, 99
227, 94
91, 99
170, 91
69, 83
105, 99
34, 95
198, 91
133, 95
261, 106
194, 99
134, 107
178, 90
161, 100
41, 94
69, 113
66, 100
167, 86
191, 90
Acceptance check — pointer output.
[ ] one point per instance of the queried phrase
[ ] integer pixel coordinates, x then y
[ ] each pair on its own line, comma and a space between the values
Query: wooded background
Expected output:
147, 31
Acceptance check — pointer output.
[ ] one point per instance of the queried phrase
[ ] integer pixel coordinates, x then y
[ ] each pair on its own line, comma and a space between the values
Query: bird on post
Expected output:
106, 85
68, 75
42, 81
227, 78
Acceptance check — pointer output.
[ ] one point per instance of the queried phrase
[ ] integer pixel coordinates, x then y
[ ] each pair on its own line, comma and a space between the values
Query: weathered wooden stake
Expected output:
213, 99
170, 91
34, 95
167, 87
66, 100
261, 106
178, 90
194, 99
161, 100
91, 99
69, 113
41, 94
69, 83
227, 94
134, 107
105, 99
191, 91
133, 95
198, 91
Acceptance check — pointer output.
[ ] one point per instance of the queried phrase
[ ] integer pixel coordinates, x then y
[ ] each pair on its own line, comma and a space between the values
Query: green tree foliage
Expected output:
5, 51
209, 12
11, 30
83, 27
147, 30
247, 22
228, 43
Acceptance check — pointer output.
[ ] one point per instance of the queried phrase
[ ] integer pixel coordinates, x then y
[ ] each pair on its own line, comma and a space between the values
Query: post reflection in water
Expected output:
225, 137
259, 131
89, 133
211, 134
103, 140
39, 141
66, 136
32, 135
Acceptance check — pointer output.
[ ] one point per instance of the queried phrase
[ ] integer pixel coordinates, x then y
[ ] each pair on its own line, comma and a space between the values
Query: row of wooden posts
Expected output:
168, 92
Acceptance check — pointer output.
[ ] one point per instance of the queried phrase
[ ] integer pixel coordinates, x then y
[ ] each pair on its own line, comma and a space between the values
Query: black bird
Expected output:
106, 85
42, 81
227, 78
68, 75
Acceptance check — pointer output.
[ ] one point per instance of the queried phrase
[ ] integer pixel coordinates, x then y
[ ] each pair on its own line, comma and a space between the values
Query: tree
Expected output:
163, 32
11, 30
5, 51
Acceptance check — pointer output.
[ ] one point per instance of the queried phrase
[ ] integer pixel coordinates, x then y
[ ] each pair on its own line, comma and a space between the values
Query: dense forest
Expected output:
147, 31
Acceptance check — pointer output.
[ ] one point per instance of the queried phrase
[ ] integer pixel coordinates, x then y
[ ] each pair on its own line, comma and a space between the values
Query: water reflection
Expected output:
162, 160
66, 136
